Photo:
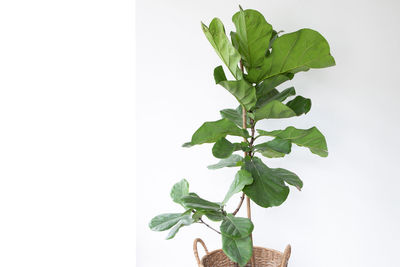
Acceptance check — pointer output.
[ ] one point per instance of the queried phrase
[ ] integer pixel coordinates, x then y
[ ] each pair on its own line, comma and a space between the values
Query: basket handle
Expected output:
286, 256
196, 254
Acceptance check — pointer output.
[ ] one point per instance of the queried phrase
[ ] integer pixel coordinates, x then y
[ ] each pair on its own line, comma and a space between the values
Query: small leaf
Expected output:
232, 161
275, 95
211, 132
237, 249
236, 116
275, 148
179, 190
274, 110
197, 203
242, 178
219, 74
164, 221
300, 105
215, 216
222, 148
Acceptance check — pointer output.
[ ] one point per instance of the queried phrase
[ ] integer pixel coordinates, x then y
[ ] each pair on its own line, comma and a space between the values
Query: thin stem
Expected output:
240, 204
209, 226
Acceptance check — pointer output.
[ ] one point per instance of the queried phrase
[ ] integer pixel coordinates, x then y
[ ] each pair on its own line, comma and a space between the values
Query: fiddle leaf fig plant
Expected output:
259, 59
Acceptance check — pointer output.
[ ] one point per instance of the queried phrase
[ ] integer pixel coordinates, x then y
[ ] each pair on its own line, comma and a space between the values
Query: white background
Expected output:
348, 212
66, 133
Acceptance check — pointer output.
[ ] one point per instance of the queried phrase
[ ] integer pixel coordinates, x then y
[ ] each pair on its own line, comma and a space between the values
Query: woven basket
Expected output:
264, 257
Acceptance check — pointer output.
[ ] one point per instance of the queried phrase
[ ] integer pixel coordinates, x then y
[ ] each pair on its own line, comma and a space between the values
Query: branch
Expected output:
209, 226
240, 204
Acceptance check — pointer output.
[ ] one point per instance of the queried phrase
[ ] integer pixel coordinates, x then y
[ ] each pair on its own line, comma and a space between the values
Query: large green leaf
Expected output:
232, 161
243, 91
197, 203
179, 190
294, 52
253, 34
215, 34
274, 110
311, 138
237, 249
267, 189
300, 105
275, 95
222, 148
164, 221
236, 227
242, 178
275, 148
184, 221
211, 132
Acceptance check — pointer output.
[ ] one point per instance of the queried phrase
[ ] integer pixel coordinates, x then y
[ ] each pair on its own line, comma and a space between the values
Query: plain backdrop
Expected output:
67, 133
348, 212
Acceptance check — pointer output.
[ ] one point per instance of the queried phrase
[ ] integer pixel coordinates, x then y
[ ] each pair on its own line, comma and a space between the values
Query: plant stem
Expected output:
209, 226
252, 260
240, 204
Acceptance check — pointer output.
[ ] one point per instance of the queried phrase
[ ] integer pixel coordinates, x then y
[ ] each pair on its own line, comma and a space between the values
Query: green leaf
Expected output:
275, 95
274, 149
242, 178
197, 203
184, 221
235, 115
215, 216
274, 110
236, 227
244, 146
237, 249
179, 190
300, 105
267, 189
253, 34
243, 91
223, 148
211, 132
294, 52
164, 221
289, 177
215, 34
311, 138
232, 161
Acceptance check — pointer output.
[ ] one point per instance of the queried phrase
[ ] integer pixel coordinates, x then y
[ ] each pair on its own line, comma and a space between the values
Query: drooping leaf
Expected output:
253, 34
242, 178
274, 110
289, 177
294, 52
243, 91
300, 105
274, 149
232, 161
267, 189
215, 34
311, 138
198, 203
237, 249
236, 227
164, 221
179, 190
222, 148
184, 221
211, 132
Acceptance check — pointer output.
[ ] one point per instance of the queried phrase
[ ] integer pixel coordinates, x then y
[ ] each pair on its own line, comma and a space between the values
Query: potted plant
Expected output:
259, 58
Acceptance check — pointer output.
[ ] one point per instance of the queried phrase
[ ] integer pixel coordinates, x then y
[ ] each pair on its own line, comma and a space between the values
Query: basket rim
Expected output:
219, 250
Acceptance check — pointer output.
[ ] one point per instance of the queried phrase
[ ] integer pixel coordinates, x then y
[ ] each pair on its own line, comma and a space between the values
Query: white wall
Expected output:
348, 212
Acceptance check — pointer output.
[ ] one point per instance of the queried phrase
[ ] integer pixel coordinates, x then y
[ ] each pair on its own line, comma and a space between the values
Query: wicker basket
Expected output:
264, 257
